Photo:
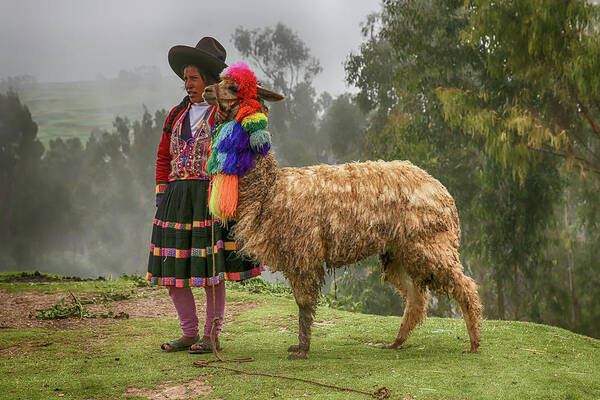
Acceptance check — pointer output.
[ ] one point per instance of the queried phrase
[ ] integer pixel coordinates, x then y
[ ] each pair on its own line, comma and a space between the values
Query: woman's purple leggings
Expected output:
183, 299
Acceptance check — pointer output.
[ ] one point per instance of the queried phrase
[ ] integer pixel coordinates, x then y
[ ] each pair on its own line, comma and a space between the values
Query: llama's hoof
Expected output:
293, 348
301, 355
392, 346
471, 350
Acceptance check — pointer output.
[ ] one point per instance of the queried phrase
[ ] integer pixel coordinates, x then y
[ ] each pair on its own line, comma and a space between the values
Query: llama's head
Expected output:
238, 92
238, 141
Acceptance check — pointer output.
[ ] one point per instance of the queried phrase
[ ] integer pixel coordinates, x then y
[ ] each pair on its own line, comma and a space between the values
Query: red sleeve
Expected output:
163, 159
163, 156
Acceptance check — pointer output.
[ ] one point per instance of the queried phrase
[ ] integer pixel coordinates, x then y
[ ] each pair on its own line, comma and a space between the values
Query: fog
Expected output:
92, 43
73, 40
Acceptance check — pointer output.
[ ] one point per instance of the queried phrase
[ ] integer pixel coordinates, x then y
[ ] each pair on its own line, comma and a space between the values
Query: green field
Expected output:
74, 109
121, 358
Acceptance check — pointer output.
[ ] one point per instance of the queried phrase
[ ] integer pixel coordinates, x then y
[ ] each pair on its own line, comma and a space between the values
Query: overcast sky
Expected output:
67, 40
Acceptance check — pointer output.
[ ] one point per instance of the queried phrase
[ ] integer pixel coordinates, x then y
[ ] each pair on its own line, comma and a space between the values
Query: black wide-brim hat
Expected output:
208, 55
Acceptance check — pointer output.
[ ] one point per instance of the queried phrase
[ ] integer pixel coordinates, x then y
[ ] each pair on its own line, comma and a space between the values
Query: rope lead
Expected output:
380, 394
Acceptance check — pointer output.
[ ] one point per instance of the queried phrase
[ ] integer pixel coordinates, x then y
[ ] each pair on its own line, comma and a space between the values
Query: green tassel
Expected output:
255, 126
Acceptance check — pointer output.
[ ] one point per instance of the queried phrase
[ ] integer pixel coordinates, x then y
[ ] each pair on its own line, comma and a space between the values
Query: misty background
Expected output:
68, 40
500, 101
79, 65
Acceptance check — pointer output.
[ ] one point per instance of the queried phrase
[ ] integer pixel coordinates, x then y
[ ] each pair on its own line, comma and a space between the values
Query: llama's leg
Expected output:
415, 311
306, 292
436, 261
465, 292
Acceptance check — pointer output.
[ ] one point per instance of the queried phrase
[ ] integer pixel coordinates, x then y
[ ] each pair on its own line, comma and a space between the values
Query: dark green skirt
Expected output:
185, 242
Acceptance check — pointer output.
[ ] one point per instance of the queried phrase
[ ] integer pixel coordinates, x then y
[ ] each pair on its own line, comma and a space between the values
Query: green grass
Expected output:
517, 360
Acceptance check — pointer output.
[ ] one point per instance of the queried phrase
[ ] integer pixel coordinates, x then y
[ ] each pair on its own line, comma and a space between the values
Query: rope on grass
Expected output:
213, 329
381, 393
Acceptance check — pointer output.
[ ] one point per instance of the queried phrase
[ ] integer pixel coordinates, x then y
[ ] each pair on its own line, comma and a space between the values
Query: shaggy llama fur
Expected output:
296, 219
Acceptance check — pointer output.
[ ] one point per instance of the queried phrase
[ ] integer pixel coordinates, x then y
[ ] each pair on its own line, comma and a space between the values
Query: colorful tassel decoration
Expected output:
229, 196
215, 195
236, 144
260, 140
254, 122
216, 160
248, 107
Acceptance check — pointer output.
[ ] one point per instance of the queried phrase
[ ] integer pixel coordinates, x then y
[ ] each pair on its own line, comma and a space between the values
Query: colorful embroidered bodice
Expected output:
189, 157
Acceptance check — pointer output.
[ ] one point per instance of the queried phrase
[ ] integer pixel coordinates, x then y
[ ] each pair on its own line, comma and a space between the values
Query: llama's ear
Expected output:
268, 95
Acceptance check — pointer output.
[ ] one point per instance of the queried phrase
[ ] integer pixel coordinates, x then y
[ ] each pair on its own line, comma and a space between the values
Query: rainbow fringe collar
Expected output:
235, 146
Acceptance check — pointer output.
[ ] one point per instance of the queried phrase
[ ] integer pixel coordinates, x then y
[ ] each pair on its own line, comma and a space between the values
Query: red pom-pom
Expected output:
248, 107
245, 79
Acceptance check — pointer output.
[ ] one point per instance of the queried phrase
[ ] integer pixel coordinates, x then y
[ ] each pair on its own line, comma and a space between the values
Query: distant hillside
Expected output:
74, 109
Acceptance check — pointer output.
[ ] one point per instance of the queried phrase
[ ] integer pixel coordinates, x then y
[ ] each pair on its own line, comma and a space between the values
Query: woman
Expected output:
189, 247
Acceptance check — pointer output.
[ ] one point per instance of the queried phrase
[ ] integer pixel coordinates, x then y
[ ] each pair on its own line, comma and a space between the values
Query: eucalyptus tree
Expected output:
543, 92
284, 63
410, 49
21, 193
541, 99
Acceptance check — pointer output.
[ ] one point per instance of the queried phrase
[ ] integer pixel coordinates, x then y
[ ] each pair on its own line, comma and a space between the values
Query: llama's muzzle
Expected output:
210, 95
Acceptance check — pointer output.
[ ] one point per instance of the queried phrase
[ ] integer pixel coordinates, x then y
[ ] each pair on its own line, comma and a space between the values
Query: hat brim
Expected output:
180, 56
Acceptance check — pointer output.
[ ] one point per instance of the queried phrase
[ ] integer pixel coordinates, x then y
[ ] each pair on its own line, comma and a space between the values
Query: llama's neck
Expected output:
257, 187
232, 113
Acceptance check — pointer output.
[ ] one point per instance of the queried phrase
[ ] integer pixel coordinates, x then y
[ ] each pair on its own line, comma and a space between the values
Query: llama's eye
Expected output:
233, 89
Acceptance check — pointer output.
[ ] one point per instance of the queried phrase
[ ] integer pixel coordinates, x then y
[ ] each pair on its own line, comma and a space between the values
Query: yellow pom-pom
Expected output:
253, 118
254, 122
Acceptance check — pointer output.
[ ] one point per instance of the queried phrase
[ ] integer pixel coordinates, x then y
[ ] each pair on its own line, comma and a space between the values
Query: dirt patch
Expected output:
16, 308
187, 390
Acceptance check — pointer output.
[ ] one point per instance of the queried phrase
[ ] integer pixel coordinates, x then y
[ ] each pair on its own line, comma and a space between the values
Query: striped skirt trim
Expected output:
187, 227
201, 282
194, 252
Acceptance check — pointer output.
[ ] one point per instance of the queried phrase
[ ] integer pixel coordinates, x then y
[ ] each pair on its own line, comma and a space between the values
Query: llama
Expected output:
296, 219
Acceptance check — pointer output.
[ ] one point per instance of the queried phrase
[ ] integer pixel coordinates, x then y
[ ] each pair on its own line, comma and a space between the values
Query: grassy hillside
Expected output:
74, 109
120, 358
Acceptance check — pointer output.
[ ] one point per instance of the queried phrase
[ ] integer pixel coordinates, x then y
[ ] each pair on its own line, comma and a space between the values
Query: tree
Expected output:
569, 291
122, 125
512, 223
344, 124
280, 54
22, 187
542, 94
372, 70
410, 49
146, 135
285, 64
65, 171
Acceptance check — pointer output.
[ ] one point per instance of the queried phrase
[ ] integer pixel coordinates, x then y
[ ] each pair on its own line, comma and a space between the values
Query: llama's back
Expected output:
328, 210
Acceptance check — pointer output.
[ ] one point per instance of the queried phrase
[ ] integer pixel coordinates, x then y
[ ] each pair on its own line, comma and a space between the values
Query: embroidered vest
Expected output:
189, 156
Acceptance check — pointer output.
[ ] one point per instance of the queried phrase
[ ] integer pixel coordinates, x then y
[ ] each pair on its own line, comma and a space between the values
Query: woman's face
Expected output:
194, 85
